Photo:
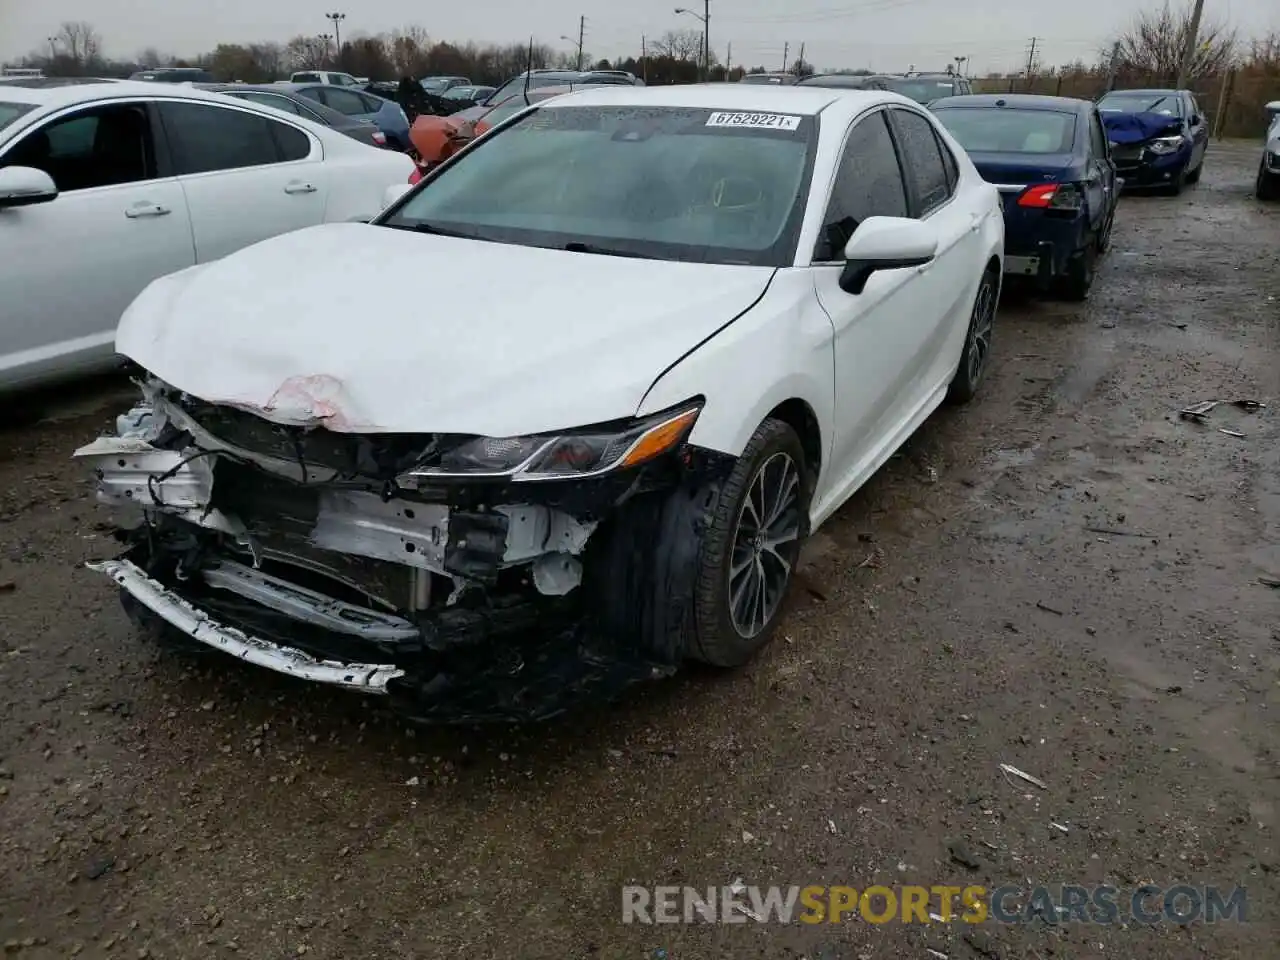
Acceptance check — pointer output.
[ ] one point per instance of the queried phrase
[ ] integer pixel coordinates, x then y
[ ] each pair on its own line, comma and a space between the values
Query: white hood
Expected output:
369, 329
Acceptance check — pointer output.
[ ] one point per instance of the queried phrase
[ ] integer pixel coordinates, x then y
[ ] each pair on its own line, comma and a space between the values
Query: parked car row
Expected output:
773, 287
1268, 184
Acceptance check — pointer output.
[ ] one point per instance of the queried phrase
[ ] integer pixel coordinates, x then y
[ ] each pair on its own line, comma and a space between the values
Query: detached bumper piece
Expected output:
198, 625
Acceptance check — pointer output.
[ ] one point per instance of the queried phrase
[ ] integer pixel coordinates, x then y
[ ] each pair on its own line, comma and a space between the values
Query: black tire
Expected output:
1268, 185
726, 635
976, 355
1081, 270
1194, 175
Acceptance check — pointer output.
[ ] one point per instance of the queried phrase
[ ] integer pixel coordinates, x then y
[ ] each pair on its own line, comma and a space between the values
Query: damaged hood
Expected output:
481, 338
1138, 127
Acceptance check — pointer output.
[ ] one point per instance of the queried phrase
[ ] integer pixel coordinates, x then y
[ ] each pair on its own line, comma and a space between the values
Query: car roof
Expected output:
67, 95
765, 98
1023, 101
1148, 91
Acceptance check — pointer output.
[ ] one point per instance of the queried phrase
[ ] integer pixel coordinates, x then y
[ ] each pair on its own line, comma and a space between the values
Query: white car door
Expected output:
950, 282
70, 266
246, 176
879, 331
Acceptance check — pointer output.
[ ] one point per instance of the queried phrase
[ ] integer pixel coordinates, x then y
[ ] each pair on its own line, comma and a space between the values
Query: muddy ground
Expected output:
1063, 576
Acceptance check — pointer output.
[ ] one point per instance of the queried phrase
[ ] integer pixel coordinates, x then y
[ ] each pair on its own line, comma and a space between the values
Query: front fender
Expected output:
780, 350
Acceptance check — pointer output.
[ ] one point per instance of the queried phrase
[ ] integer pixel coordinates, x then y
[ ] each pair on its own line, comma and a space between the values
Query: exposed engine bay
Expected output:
339, 558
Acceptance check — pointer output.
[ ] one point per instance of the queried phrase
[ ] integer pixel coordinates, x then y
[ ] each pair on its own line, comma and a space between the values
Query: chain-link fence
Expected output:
1233, 101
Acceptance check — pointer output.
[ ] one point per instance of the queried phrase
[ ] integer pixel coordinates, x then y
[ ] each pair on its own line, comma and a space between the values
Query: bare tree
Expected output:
306, 51
78, 42
679, 45
1154, 43
407, 49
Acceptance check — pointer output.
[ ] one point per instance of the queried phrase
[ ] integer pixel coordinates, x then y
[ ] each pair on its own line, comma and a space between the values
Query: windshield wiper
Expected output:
423, 227
577, 246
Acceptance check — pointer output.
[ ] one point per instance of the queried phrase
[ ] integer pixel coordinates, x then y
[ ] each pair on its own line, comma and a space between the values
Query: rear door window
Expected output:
345, 101
205, 138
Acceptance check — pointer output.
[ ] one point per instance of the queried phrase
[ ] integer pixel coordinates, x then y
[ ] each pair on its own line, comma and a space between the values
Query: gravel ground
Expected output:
1063, 576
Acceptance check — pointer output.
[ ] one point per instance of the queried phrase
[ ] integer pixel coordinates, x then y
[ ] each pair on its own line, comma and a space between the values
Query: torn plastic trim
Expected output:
194, 623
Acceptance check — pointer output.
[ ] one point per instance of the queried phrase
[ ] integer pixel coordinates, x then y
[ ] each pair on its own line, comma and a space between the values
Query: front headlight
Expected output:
570, 455
1166, 145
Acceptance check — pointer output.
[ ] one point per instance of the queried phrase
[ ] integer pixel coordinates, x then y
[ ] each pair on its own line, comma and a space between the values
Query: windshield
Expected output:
10, 112
920, 89
662, 183
1140, 103
1007, 130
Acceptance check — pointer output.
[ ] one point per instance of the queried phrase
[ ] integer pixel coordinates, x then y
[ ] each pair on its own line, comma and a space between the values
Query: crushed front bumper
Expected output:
465, 606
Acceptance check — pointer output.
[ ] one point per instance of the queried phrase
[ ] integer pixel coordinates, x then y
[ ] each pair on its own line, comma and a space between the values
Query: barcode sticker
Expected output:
765, 121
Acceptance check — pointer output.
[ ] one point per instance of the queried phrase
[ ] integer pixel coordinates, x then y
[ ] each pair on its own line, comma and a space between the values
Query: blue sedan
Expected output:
1049, 158
386, 115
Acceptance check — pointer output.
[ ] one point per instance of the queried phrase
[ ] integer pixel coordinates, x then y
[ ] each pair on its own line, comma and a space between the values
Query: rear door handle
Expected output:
297, 186
146, 210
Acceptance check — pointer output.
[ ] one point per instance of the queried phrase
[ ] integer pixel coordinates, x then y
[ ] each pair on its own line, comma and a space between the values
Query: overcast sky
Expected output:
878, 34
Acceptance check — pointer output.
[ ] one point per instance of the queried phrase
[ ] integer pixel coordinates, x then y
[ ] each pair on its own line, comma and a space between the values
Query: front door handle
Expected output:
146, 210
299, 187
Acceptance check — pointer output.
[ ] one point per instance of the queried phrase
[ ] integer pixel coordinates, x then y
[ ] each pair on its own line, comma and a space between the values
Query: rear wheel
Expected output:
750, 548
977, 342
1268, 185
1081, 268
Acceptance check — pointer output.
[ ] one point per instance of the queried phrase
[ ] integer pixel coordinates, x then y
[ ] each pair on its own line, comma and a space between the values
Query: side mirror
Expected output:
394, 193
886, 243
1195, 119
23, 186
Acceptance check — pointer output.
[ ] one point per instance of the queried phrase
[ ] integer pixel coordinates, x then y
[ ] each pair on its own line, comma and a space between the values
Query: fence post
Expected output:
1224, 98
1058, 92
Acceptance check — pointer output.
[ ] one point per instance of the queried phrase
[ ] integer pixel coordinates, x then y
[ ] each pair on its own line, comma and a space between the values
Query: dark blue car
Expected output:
1158, 137
1050, 160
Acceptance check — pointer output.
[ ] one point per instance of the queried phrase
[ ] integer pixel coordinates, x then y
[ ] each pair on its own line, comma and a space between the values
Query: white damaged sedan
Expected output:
660, 335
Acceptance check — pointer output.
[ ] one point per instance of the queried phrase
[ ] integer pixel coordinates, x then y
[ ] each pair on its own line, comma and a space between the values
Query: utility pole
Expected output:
1189, 49
324, 38
337, 18
1114, 65
799, 64
707, 40
1031, 60
786, 48
53, 48
728, 62
644, 59
582, 32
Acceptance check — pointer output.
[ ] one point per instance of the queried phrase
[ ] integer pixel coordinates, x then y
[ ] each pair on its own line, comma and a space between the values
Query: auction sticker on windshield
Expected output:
767, 121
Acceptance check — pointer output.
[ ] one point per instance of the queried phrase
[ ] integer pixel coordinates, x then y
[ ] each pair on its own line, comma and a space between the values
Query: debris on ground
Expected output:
1199, 412
1230, 433
1010, 770
1059, 827
963, 854
1269, 581
1040, 604
7, 586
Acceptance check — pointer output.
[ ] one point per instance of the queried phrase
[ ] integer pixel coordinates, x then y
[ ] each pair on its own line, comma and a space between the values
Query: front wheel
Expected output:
977, 342
751, 547
1268, 185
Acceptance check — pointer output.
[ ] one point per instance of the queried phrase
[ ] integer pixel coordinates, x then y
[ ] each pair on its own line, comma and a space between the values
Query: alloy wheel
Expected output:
984, 310
766, 545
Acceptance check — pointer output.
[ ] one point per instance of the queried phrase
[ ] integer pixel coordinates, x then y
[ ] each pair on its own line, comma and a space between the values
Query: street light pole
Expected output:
706, 48
337, 18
